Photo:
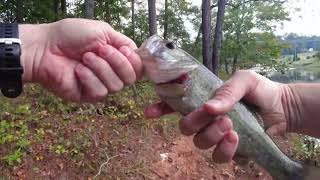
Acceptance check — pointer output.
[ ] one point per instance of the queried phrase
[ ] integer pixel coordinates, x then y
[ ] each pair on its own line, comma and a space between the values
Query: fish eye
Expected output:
170, 45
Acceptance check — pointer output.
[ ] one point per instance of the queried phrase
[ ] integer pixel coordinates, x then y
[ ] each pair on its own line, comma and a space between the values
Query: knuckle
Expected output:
225, 124
225, 92
249, 74
131, 78
115, 87
211, 137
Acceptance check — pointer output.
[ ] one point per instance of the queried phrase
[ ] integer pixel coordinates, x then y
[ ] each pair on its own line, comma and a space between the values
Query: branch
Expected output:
244, 2
105, 164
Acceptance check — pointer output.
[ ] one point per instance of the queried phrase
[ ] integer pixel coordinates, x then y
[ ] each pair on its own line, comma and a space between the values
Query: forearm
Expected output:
301, 104
33, 38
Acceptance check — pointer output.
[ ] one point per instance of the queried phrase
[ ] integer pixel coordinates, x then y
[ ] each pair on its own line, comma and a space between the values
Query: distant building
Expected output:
311, 50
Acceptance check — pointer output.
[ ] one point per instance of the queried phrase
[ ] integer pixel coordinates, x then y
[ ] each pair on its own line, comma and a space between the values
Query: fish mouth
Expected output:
180, 80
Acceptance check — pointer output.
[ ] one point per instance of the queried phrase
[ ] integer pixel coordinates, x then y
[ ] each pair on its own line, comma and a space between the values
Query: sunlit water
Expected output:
296, 75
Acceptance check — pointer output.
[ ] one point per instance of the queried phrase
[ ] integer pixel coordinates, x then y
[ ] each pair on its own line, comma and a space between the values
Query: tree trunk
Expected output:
216, 49
197, 38
89, 9
152, 17
133, 20
234, 64
56, 9
108, 13
226, 66
19, 12
165, 30
64, 8
206, 37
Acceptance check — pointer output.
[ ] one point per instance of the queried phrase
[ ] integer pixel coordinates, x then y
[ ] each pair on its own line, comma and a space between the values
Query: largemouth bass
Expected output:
165, 64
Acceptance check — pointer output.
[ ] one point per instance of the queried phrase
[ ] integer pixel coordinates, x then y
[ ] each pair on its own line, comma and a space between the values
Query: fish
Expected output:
185, 85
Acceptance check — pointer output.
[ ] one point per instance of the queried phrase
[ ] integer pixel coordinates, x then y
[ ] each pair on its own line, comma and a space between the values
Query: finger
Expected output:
241, 84
195, 121
277, 129
119, 63
157, 110
213, 134
226, 149
103, 71
118, 39
134, 59
92, 89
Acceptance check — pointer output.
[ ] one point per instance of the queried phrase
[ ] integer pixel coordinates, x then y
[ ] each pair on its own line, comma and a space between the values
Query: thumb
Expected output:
242, 83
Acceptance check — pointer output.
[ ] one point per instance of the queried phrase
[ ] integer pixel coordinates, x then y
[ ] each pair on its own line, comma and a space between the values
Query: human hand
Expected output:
212, 127
79, 60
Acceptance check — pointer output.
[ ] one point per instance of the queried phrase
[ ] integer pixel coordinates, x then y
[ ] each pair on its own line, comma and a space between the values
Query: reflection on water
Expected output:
296, 75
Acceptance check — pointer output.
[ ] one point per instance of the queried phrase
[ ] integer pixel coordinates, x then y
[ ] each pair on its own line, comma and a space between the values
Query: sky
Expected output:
306, 21
303, 22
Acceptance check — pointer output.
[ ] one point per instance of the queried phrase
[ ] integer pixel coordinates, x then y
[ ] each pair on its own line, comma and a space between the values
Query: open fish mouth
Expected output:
180, 80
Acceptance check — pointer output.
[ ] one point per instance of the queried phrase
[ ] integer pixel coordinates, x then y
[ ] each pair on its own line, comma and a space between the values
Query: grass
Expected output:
38, 126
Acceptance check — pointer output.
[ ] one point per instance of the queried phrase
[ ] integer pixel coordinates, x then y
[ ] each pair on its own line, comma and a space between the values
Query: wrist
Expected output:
302, 107
33, 43
290, 103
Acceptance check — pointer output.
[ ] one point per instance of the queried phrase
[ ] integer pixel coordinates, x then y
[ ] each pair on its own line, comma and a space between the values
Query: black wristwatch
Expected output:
10, 67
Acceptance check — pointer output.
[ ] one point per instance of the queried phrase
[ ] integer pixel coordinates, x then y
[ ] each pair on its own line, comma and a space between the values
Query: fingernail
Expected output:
214, 102
230, 137
224, 124
126, 50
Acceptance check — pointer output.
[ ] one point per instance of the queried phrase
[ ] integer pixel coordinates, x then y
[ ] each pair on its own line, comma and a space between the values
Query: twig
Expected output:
105, 163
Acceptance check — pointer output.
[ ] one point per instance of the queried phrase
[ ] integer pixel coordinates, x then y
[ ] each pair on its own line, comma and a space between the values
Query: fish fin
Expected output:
311, 172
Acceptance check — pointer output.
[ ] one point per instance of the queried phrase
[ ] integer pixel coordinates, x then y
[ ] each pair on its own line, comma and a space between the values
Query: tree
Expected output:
89, 9
19, 12
165, 26
218, 36
138, 28
133, 19
32, 11
63, 8
152, 17
206, 34
241, 19
172, 20
113, 12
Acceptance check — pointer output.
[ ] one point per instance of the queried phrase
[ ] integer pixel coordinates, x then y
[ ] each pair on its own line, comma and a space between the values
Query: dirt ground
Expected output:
159, 156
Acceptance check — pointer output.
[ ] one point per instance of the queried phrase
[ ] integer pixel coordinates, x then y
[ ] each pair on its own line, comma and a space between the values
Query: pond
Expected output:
299, 74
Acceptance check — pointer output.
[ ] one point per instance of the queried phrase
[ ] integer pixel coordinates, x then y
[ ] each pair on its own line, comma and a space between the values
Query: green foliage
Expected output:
141, 30
176, 13
16, 134
306, 149
35, 11
14, 158
241, 42
60, 150
299, 44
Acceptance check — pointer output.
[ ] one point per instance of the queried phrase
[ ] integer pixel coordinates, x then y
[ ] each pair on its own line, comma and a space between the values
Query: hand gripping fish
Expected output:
166, 65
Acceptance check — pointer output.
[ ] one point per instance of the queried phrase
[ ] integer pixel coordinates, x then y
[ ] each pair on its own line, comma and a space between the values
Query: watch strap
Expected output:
10, 66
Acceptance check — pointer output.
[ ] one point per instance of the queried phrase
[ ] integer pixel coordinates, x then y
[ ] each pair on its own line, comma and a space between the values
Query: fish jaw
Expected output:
163, 62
